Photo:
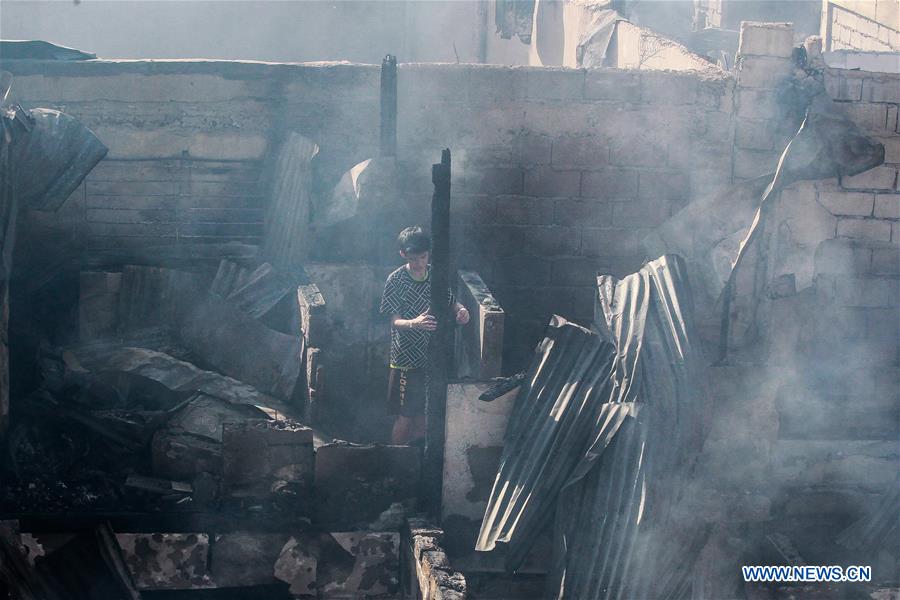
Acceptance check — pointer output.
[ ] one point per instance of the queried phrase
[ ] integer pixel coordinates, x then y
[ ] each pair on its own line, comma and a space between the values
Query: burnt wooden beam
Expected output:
388, 146
436, 409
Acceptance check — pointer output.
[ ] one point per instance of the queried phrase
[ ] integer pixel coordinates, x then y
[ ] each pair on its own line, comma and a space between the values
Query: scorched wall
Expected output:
557, 173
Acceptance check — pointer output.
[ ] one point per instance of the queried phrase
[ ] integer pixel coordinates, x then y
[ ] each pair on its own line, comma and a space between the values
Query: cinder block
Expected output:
611, 183
583, 212
891, 147
576, 271
842, 87
663, 185
612, 242
522, 210
550, 241
640, 213
580, 152
865, 292
561, 84
842, 256
879, 178
533, 149
663, 87
883, 323
886, 261
869, 229
611, 85
887, 206
757, 104
763, 71
766, 39
637, 151
550, 183
857, 204
881, 89
716, 94
494, 181
522, 271
870, 116
754, 135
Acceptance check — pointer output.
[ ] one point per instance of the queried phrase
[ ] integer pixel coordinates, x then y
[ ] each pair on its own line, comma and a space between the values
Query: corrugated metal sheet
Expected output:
605, 434
287, 219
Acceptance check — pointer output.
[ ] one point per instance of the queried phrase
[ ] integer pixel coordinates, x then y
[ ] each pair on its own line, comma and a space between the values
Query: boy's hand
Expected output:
424, 321
462, 316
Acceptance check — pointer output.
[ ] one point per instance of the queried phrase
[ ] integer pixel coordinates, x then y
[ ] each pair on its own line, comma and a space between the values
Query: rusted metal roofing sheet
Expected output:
604, 434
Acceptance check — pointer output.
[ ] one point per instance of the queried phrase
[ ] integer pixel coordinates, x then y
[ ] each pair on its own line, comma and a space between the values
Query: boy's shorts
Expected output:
407, 391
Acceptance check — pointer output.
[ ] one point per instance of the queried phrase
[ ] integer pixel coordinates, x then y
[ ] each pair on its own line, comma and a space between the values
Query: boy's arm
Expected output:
423, 321
461, 313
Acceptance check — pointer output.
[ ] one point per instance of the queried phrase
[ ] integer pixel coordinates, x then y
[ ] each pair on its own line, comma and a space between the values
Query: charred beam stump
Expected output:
439, 351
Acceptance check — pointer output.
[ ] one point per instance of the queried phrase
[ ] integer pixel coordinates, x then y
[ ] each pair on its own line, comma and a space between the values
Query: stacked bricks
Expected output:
763, 62
864, 26
836, 443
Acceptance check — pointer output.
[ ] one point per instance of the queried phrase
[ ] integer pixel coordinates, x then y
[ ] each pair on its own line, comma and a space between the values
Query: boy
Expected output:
407, 299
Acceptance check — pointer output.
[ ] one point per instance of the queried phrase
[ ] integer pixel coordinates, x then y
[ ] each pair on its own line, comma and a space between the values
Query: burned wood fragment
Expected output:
500, 386
163, 487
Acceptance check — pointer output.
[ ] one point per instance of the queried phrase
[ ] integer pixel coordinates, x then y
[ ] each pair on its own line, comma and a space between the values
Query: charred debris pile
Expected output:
171, 438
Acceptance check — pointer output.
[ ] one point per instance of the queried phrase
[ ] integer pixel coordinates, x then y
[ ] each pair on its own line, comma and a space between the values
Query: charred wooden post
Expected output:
389, 106
440, 342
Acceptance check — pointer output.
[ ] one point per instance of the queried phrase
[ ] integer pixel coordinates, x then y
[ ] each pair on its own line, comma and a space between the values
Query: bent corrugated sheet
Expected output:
602, 442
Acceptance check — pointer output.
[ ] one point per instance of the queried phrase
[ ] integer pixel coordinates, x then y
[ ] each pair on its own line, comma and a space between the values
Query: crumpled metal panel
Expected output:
619, 465
557, 412
53, 159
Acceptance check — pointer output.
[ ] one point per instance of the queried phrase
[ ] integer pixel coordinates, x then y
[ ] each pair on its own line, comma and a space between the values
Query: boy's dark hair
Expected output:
413, 240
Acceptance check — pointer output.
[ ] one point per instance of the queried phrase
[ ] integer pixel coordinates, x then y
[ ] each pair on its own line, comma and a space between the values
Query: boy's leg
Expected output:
400, 435
417, 428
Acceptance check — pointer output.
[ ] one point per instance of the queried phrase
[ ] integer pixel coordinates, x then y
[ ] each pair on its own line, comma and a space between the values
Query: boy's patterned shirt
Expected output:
408, 298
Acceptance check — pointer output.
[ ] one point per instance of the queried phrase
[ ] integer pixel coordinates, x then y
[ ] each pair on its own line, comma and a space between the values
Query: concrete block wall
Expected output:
557, 173
818, 435
872, 26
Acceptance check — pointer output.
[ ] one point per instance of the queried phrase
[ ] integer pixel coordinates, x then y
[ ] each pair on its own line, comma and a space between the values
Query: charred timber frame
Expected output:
436, 409
388, 145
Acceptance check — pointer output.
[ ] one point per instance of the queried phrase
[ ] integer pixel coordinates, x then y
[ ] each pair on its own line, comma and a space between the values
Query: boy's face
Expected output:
417, 261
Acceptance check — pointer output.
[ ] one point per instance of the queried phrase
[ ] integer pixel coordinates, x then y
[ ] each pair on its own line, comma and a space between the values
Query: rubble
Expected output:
258, 454
354, 484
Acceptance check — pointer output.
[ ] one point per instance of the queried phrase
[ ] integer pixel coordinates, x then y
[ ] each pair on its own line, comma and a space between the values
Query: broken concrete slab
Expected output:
355, 484
221, 335
256, 454
167, 561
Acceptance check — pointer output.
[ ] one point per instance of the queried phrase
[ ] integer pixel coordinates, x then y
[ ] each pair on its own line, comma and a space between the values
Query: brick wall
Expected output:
868, 26
557, 173
807, 425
